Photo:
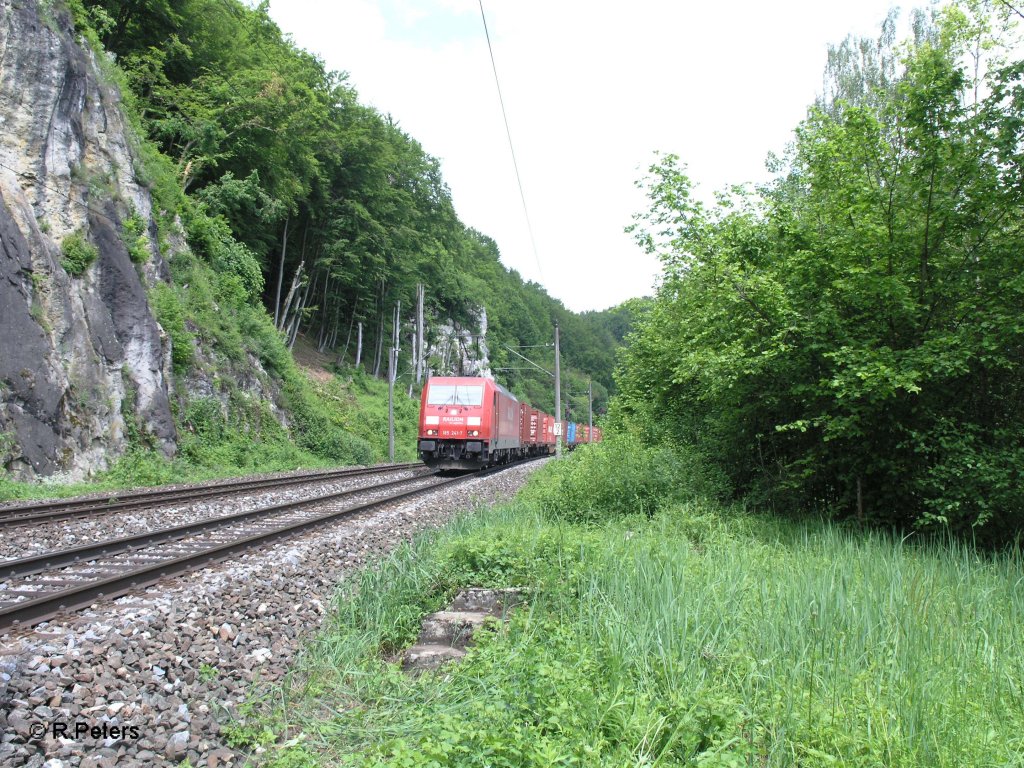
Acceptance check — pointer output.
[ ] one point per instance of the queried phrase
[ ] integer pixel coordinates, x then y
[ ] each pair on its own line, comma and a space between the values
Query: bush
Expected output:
265, 342
77, 254
318, 423
316, 434
211, 237
512, 555
171, 316
620, 476
8, 447
133, 232
140, 467
361, 402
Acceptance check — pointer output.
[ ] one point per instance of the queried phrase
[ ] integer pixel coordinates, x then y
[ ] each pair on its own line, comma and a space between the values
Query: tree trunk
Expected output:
332, 344
324, 334
351, 325
280, 274
414, 361
291, 294
359, 345
412, 379
380, 344
293, 330
420, 332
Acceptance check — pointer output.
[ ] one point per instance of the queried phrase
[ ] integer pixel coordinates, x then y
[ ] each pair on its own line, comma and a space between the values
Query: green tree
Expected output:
847, 336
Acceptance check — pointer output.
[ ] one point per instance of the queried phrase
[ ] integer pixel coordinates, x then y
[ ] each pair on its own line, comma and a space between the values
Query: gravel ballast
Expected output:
148, 679
39, 537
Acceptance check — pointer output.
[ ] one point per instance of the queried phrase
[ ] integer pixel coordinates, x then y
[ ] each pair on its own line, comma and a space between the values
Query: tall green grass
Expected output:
817, 644
362, 401
697, 635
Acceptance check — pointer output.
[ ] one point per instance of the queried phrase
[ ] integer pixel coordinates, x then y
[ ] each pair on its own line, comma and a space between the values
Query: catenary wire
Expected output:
511, 147
65, 195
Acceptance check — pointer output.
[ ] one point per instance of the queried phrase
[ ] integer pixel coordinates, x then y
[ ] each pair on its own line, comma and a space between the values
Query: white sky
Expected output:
592, 89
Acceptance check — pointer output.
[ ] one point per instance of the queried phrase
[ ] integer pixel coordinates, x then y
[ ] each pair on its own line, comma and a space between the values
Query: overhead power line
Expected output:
1004, 2
511, 147
539, 368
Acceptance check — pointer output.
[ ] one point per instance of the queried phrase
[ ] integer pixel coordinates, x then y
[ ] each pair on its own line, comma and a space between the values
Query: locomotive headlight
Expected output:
474, 433
431, 431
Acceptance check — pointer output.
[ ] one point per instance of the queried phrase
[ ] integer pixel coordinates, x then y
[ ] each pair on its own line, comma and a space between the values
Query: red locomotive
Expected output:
469, 423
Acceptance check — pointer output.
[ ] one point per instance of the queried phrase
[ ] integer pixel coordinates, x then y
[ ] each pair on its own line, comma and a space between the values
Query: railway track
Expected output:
37, 588
63, 509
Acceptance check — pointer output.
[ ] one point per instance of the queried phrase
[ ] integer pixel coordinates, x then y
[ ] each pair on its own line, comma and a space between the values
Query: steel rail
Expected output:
62, 558
64, 509
46, 606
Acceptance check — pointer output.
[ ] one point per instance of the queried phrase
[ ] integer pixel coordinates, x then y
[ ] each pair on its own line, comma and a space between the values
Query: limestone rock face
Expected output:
78, 353
457, 350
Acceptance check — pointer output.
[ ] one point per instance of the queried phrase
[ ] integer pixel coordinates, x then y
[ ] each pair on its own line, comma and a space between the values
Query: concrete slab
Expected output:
431, 656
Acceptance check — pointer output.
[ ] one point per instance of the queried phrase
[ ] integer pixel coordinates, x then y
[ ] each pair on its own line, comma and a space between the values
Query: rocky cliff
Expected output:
457, 350
80, 349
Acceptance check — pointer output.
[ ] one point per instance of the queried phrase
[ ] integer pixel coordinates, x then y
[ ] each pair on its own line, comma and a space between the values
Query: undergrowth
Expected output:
77, 254
219, 331
217, 327
681, 633
364, 401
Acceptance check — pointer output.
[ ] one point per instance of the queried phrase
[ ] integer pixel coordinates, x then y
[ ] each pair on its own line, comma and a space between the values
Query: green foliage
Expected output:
8, 447
508, 557
849, 338
38, 313
158, 173
77, 254
244, 736
322, 431
700, 636
262, 154
620, 476
216, 315
170, 314
384, 605
129, 414
207, 672
237, 437
140, 467
211, 237
293, 756
136, 240
363, 402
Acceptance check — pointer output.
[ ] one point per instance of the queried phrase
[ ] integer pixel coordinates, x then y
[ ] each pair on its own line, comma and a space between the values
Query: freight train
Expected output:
467, 423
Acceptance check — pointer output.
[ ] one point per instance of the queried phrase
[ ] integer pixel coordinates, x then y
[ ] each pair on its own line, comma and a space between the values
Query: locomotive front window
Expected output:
455, 394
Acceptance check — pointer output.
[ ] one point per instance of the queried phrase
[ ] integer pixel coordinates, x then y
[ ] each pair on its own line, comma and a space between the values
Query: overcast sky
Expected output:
592, 90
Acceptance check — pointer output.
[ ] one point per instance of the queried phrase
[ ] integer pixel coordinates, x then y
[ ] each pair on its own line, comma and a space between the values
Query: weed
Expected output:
171, 316
133, 231
620, 476
38, 314
77, 254
240, 735
8, 446
208, 672
696, 634
293, 757
129, 414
